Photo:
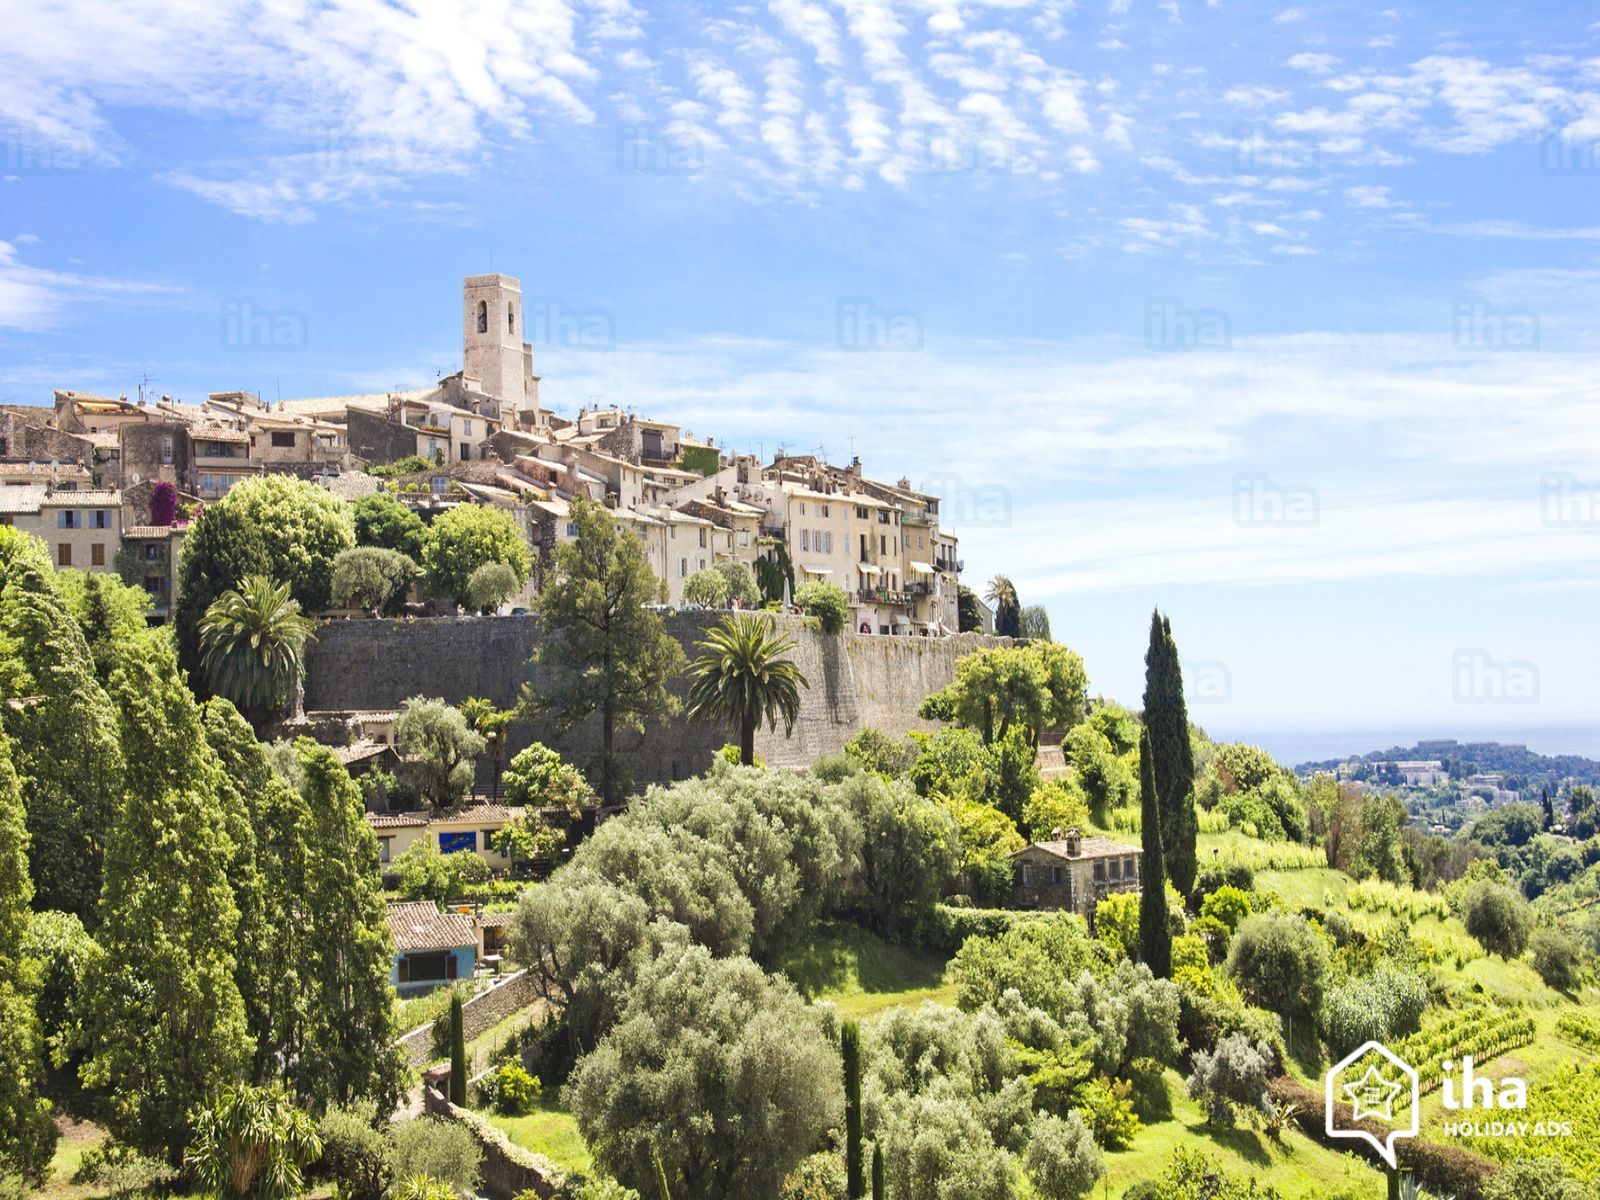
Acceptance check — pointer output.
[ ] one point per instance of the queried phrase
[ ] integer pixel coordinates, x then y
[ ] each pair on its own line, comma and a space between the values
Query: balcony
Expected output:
882, 596
923, 519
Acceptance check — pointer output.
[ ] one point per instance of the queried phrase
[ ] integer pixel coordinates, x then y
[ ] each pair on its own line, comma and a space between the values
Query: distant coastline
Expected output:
1293, 747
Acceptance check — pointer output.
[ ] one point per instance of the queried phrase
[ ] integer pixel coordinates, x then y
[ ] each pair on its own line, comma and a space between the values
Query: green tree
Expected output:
1038, 686
458, 1054
539, 776
491, 586
252, 644
775, 573
1498, 917
1558, 958
826, 602
490, 722
168, 1022
428, 874
441, 748
27, 1135
877, 1172
348, 1052
373, 578
1166, 719
1280, 964
1034, 623
741, 583
719, 1047
744, 677
850, 1053
1002, 594
250, 1142
1378, 851
708, 588
1155, 937
222, 549
106, 609
910, 846
1062, 1159
969, 618
604, 651
466, 537
383, 522
1116, 923
63, 730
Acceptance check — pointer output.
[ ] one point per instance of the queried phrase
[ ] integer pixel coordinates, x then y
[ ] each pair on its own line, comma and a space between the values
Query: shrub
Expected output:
1062, 1159
1233, 1074
820, 1177
1384, 1006
1498, 917
878, 751
426, 874
122, 1171
1558, 958
372, 578
1108, 1109
440, 1150
1055, 805
1536, 1179
355, 1153
540, 777
424, 1187
510, 1090
826, 602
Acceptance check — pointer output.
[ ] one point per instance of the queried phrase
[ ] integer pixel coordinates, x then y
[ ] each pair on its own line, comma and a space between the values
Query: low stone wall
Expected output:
478, 1015
507, 1170
855, 680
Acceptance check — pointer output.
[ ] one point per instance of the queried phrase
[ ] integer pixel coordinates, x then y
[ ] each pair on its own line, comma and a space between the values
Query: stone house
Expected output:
456, 830
1072, 872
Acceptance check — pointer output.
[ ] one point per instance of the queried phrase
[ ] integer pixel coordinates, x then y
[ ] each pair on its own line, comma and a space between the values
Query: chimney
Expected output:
1074, 842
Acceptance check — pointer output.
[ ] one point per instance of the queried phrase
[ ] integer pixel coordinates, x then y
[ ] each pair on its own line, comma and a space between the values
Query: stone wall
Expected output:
478, 1015
374, 437
856, 680
506, 1170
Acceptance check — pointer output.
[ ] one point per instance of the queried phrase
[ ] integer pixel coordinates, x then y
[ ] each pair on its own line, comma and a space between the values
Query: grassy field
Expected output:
863, 975
1298, 1167
549, 1131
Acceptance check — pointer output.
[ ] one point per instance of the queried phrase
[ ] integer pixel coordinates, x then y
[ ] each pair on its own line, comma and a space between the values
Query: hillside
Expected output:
1524, 769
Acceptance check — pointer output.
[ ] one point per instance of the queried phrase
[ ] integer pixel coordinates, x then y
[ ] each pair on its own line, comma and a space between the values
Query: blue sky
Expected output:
1282, 317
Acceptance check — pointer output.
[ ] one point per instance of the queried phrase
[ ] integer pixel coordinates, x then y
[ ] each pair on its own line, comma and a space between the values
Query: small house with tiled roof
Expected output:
453, 830
1072, 873
432, 947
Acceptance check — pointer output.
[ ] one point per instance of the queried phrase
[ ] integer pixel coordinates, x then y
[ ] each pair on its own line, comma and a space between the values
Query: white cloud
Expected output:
1368, 196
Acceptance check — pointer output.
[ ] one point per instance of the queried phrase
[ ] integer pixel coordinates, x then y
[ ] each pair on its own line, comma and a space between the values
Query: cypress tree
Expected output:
458, 1055
1155, 939
850, 1047
1166, 719
27, 1135
877, 1171
168, 1025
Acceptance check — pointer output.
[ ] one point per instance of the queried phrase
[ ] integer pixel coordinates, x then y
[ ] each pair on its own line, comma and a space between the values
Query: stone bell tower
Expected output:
494, 352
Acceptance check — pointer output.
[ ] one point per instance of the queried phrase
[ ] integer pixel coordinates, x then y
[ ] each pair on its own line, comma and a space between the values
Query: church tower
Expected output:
495, 354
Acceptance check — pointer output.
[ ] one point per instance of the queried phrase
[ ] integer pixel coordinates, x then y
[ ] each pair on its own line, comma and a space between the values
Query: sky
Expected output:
1285, 319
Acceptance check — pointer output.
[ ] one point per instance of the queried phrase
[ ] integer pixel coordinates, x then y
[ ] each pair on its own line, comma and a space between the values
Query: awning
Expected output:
869, 569
810, 570
921, 568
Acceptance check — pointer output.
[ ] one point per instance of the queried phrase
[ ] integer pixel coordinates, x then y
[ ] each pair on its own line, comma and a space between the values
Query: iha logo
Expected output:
1371, 1081
1374, 1084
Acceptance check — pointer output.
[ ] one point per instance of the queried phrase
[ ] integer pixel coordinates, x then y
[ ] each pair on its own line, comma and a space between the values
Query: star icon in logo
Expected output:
1372, 1096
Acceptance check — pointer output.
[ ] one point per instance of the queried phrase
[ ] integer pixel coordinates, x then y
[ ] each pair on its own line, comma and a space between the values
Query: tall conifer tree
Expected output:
1155, 939
1166, 719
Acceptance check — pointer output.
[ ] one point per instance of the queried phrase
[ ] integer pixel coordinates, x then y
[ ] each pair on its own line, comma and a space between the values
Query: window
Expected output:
67, 518
1129, 870
466, 452
805, 539
166, 450
427, 968
1116, 868
1056, 874
483, 316
1100, 872
883, 544
97, 554
826, 509
64, 554
283, 439
802, 508
1027, 874
572, 530
100, 518
683, 568
511, 318
385, 849
7, 520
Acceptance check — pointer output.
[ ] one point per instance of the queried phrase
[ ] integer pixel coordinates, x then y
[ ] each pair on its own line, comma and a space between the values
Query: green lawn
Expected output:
549, 1131
75, 1141
863, 975
1299, 1168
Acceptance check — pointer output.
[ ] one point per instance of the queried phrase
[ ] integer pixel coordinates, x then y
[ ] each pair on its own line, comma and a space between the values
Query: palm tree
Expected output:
744, 677
1002, 594
252, 643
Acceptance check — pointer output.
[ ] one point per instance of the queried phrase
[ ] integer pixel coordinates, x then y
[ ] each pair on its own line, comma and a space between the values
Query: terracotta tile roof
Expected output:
361, 751
474, 814
98, 499
153, 531
21, 498
1089, 847
419, 925
397, 820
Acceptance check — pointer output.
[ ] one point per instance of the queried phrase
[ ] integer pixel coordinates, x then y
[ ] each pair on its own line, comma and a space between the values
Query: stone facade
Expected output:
856, 680
374, 437
1073, 873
